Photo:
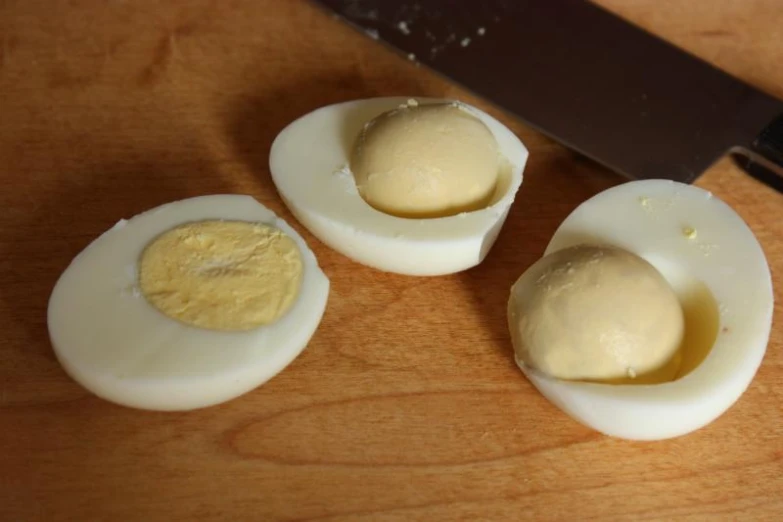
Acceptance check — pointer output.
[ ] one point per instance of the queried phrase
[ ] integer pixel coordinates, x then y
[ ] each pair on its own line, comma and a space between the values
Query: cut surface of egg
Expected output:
720, 275
310, 162
187, 305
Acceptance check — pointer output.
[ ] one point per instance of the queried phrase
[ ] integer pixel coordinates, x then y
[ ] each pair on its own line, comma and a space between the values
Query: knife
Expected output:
588, 79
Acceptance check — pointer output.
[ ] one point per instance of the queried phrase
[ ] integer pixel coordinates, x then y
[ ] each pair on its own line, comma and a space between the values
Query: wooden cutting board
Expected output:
406, 406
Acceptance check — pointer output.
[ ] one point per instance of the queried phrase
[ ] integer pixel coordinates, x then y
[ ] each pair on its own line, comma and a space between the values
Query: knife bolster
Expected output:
769, 142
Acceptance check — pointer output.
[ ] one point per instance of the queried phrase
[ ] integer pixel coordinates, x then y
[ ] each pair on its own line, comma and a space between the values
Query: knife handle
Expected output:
763, 160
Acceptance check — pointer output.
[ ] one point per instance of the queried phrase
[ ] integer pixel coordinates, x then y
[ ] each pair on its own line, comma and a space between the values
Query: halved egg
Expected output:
719, 274
386, 221
187, 305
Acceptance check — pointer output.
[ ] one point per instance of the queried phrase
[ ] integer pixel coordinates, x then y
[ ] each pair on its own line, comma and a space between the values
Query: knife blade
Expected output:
588, 79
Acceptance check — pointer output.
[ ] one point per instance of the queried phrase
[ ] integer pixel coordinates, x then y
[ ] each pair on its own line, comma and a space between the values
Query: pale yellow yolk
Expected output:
221, 275
597, 313
426, 161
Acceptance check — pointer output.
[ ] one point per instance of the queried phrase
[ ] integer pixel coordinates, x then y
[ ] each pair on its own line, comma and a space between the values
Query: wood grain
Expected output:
406, 406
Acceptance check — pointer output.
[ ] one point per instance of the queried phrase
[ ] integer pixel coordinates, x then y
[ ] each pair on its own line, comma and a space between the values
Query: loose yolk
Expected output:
425, 161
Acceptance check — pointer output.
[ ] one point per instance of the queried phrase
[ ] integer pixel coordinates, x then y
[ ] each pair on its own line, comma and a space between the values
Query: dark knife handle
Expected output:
763, 159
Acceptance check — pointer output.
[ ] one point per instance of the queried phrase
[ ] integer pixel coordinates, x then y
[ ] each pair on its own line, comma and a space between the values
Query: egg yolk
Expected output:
422, 161
597, 313
221, 275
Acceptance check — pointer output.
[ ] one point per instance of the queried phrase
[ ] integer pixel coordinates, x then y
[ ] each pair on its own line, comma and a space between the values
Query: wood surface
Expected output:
406, 406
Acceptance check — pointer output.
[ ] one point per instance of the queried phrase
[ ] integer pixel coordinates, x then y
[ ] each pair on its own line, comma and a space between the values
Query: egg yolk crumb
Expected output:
221, 275
422, 161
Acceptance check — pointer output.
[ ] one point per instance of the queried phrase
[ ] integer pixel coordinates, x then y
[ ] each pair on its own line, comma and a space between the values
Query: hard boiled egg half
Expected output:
649, 313
187, 305
417, 187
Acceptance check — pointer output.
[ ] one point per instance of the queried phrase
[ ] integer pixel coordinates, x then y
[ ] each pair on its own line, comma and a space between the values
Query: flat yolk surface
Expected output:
221, 275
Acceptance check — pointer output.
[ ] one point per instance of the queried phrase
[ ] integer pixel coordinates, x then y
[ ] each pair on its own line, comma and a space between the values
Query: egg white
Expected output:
309, 162
697, 242
118, 346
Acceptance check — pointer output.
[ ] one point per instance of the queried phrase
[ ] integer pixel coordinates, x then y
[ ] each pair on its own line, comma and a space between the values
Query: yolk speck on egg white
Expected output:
221, 275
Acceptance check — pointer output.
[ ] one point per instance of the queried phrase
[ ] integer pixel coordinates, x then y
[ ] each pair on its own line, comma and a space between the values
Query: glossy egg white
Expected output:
309, 162
718, 270
118, 346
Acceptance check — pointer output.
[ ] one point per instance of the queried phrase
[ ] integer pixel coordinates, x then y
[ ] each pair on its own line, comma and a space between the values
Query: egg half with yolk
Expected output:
187, 305
714, 266
417, 187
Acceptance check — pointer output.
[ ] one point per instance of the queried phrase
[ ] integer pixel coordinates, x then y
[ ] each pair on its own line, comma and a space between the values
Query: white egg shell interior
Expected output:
309, 162
717, 268
117, 345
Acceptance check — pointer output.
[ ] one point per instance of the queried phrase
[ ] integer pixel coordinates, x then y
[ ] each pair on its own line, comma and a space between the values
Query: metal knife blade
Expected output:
588, 79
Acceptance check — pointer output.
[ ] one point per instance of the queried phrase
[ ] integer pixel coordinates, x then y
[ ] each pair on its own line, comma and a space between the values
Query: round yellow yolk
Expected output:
596, 313
426, 161
221, 275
